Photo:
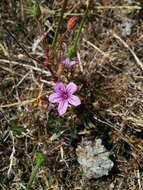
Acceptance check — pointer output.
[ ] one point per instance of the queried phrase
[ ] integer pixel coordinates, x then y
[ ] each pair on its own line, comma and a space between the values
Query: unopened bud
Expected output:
72, 23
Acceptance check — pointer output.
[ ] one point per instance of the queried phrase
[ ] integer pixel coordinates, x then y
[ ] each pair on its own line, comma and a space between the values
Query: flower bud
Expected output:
72, 23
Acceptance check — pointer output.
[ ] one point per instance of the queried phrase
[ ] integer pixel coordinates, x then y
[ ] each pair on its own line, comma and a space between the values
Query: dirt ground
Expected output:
110, 76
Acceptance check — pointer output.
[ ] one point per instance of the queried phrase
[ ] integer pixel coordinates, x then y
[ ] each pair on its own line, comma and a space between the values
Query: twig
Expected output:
80, 63
25, 51
23, 78
131, 7
123, 137
139, 180
96, 48
119, 7
26, 66
12, 155
7, 69
19, 103
140, 64
40, 39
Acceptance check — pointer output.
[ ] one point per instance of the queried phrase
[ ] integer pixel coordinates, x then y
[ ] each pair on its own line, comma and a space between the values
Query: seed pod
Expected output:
71, 23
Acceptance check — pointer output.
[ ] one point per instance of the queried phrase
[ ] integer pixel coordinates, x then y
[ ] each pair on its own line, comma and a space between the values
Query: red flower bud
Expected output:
72, 23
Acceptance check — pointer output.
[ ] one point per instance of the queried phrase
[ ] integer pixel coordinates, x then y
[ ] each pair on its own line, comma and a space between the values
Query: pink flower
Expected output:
68, 63
64, 96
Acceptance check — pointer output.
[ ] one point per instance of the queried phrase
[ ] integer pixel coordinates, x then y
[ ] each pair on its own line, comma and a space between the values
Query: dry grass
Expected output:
111, 89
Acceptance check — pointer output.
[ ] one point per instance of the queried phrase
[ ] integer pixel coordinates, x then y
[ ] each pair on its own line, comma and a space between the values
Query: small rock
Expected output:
94, 159
126, 26
130, 1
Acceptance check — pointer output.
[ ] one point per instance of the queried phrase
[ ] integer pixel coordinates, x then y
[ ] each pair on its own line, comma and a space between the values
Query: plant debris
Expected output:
109, 76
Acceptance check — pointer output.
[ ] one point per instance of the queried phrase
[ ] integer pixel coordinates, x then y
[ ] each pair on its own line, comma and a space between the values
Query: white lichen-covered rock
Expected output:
94, 159
130, 1
126, 26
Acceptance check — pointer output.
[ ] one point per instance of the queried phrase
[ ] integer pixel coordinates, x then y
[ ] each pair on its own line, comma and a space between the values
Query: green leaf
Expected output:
40, 159
36, 11
90, 125
17, 129
72, 52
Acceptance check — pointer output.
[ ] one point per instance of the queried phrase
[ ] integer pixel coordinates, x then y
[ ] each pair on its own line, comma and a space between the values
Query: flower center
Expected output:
65, 96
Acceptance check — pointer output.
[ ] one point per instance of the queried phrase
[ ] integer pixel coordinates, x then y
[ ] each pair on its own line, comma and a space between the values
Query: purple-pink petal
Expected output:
62, 108
71, 88
74, 100
64, 96
59, 87
68, 63
71, 63
55, 97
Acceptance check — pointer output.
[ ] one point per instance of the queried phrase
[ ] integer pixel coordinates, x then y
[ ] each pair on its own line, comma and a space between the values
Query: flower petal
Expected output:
66, 61
74, 100
55, 97
62, 108
71, 88
59, 87
71, 63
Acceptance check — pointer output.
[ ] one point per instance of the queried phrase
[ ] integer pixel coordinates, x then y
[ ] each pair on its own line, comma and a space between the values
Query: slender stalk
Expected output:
32, 177
40, 160
73, 48
59, 24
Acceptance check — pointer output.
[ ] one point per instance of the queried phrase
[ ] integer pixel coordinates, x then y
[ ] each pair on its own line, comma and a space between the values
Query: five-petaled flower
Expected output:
64, 96
68, 62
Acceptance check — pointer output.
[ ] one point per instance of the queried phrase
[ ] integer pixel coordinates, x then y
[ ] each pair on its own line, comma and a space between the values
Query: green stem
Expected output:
40, 159
59, 24
32, 177
74, 45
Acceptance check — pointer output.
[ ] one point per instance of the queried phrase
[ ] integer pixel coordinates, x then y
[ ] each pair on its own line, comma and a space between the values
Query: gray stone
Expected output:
94, 159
